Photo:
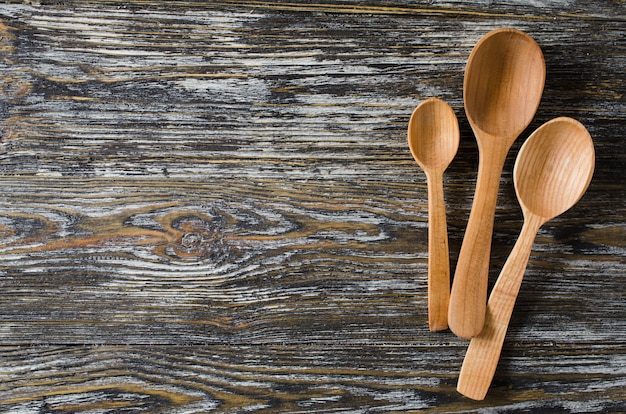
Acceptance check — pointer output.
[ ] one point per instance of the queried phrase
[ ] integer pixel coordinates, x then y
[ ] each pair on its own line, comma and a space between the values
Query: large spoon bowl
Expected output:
503, 83
434, 140
502, 88
551, 173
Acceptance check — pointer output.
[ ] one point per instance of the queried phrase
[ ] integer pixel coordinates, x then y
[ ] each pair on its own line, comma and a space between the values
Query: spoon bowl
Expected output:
552, 171
434, 136
503, 84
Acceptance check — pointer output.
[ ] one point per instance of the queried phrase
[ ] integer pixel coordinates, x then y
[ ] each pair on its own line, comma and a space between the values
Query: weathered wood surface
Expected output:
212, 206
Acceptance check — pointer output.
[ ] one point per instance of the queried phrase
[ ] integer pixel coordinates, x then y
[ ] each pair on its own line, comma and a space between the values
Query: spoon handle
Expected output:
483, 353
438, 257
468, 299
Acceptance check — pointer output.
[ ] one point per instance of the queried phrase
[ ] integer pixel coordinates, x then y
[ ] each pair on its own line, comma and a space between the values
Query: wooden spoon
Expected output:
551, 173
434, 139
504, 80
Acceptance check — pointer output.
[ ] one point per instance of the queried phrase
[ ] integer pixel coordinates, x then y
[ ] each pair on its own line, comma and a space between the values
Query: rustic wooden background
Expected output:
212, 206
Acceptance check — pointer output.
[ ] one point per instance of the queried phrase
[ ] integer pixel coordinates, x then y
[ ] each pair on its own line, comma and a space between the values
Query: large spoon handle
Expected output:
468, 299
483, 353
438, 256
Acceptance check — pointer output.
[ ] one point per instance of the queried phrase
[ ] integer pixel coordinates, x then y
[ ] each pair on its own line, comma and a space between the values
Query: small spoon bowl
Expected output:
434, 134
434, 140
552, 171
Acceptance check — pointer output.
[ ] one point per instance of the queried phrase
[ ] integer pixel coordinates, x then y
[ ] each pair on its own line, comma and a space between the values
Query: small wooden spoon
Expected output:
503, 84
551, 173
434, 140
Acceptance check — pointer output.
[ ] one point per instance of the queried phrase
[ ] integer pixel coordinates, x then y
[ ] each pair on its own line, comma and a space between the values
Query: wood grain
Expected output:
212, 206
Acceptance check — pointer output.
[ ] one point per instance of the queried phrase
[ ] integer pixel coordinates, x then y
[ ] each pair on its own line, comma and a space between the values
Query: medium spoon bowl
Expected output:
551, 173
434, 140
503, 84
554, 169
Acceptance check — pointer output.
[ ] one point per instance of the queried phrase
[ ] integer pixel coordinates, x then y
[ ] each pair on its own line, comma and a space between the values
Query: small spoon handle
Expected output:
483, 353
438, 257
468, 299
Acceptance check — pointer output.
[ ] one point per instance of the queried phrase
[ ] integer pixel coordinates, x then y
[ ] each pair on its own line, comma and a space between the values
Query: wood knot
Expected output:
196, 238
192, 241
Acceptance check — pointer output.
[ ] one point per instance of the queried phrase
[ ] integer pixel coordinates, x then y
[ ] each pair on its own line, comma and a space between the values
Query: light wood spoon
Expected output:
434, 140
503, 84
551, 173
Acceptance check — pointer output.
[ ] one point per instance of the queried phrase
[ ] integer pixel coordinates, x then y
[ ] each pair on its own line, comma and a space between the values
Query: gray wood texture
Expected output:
212, 207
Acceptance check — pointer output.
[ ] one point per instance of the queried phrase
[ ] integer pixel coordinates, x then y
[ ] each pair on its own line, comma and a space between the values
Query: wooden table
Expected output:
212, 206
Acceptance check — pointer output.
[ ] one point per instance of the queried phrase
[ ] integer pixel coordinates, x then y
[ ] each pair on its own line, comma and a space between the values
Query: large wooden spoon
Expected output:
551, 173
434, 140
503, 84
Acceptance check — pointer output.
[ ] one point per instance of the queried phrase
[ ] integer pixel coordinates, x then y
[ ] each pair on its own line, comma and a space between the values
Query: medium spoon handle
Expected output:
483, 353
468, 298
438, 257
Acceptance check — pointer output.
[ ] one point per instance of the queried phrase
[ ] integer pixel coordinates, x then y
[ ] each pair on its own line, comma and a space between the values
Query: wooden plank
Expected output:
296, 380
213, 206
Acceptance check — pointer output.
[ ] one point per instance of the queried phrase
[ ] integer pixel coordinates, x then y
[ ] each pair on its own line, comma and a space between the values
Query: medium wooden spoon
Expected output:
504, 80
551, 173
434, 140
